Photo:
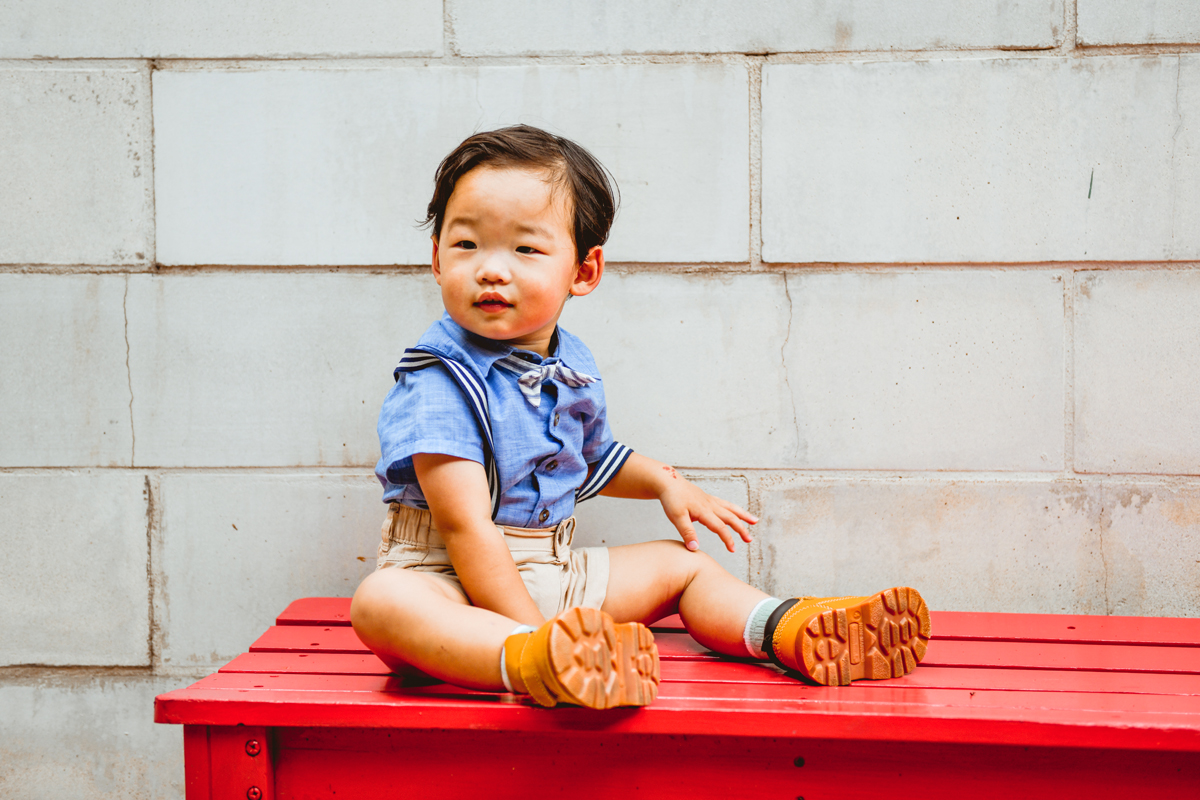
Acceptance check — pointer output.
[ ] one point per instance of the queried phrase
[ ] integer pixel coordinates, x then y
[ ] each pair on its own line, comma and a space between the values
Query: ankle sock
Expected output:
508, 684
755, 633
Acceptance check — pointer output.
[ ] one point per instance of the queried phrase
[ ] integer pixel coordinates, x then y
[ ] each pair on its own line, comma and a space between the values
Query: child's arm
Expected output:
684, 503
457, 493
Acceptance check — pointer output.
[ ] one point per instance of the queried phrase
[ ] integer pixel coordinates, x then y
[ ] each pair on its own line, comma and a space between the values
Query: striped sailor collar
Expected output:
480, 354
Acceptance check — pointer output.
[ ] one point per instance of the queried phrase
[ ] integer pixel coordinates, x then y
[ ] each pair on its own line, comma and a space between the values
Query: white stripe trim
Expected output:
604, 472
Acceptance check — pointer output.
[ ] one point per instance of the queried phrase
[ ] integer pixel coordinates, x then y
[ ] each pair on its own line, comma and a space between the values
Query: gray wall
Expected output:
917, 282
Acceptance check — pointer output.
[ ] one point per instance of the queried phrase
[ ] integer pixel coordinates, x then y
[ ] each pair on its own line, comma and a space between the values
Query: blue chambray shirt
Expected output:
542, 454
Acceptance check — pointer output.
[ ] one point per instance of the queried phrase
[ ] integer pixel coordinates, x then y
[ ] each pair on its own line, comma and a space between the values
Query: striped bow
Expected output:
531, 380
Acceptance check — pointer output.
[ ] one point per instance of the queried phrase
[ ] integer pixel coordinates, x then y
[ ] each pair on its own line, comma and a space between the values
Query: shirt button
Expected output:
555, 417
553, 465
545, 515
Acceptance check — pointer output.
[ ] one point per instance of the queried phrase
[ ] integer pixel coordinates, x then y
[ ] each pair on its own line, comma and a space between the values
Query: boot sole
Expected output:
600, 664
883, 637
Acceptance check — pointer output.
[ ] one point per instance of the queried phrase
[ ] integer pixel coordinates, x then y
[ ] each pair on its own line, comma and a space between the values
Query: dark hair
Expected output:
591, 187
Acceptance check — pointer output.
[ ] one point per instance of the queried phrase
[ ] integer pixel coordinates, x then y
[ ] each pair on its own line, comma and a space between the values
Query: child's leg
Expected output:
407, 617
412, 618
830, 640
651, 580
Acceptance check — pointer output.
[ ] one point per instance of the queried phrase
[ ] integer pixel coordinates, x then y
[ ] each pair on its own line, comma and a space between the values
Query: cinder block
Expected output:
88, 738
1152, 549
73, 581
336, 166
1031, 547
268, 369
1138, 22
219, 29
75, 165
1137, 366
693, 367
611, 522
941, 370
543, 27
1009, 160
237, 548
64, 394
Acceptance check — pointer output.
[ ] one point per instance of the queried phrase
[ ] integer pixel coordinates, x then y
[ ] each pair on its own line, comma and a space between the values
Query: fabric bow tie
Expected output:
531, 380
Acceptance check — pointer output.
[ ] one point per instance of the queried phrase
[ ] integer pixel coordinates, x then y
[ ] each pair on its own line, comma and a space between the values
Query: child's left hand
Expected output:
682, 501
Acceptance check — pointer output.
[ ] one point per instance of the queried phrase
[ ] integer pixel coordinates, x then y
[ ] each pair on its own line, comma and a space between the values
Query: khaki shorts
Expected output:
556, 576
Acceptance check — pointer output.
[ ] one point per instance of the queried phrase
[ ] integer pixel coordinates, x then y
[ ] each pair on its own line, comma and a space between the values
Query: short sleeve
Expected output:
425, 412
597, 437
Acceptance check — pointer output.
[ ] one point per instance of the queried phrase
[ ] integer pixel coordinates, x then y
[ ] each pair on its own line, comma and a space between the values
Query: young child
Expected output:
496, 428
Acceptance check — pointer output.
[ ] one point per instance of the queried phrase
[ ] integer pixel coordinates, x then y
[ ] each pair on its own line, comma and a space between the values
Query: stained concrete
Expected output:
1105, 22
928, 370
221, 29
237, 548
540, 27
75, 165
1032, 547
64, 390
73, 578
88, 737
336, 166
981, 160
1137, 366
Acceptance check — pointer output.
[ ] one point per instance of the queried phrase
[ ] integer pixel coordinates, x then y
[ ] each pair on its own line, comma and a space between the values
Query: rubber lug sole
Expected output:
883, 637
600, 664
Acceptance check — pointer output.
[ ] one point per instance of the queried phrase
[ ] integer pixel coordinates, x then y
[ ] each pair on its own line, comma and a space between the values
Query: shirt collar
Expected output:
446, 337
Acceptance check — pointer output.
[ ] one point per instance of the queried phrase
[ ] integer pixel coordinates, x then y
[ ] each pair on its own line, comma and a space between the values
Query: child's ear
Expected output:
588, 273
437, 267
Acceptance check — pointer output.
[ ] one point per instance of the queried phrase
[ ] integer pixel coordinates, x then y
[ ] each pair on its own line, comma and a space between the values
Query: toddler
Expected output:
495, 429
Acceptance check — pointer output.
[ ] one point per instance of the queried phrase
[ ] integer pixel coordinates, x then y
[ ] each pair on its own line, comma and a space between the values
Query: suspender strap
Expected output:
476, 394
606, 468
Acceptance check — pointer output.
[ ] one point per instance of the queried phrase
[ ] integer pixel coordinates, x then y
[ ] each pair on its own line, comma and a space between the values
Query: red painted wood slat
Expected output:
945, 653
985, 717
971, 625
1066, 628
738, 671
867, 693
334, 639
316, 611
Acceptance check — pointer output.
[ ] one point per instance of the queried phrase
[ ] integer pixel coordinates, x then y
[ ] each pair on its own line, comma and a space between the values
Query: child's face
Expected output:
506, 260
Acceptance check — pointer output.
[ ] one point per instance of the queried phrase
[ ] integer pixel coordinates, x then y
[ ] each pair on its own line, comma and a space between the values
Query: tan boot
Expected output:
835, 640
582, 657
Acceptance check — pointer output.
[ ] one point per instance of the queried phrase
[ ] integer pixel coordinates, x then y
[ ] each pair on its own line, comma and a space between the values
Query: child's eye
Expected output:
526, 250
465, 244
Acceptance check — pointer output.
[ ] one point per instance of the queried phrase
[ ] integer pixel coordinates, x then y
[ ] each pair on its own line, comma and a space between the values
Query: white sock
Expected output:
755, 633
504, 662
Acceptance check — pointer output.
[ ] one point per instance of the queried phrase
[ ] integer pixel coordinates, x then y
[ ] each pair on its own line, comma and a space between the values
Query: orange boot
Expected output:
582, 657
835, 640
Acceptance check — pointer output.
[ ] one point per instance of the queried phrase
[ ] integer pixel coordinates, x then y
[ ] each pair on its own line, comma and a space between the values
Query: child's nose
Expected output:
493, 268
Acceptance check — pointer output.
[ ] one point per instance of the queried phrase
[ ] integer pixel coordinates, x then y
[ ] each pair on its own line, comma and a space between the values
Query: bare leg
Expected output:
407, 617
650, 580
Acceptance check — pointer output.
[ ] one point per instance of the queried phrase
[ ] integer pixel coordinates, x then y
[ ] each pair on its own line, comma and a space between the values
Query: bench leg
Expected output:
228, 762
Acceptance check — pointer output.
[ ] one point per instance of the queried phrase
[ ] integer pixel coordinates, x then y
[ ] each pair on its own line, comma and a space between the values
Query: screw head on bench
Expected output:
798, 761
254, 793
252, 747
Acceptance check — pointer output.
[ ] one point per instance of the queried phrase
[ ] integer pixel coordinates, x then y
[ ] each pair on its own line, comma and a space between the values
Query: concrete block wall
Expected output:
918, 283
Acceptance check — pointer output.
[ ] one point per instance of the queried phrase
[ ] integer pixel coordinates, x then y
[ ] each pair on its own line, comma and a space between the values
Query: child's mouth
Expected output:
492, 305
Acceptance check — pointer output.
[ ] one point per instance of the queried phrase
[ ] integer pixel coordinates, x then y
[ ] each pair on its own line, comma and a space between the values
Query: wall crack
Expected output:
783, 361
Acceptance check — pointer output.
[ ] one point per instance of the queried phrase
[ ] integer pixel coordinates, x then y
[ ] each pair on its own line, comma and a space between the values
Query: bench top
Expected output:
1020, 679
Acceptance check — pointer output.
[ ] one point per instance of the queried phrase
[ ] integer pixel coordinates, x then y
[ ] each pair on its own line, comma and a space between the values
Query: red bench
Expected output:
1004, 706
